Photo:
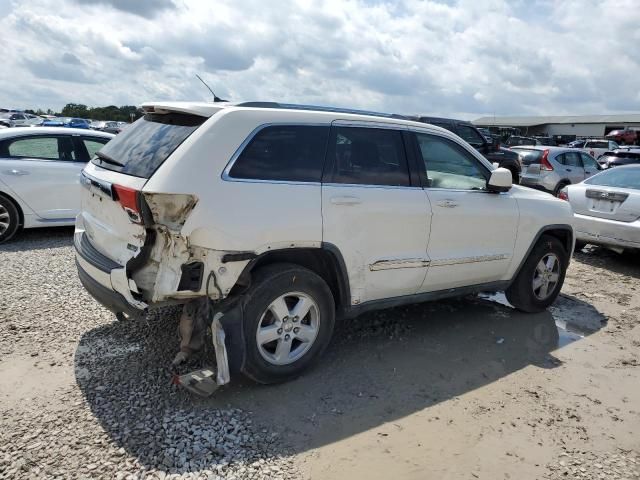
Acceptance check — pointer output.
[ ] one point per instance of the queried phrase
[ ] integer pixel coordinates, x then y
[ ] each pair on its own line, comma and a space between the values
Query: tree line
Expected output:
112, 112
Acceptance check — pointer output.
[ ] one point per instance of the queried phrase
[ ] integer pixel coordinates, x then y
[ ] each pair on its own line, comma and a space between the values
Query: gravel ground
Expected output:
85, 396
121, 417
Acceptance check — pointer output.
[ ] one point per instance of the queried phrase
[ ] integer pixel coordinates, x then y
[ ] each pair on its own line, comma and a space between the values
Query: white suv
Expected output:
286, 217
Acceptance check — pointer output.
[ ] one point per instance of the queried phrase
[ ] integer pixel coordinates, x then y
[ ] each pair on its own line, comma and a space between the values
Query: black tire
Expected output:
521, 292
515, 177
9, 219
268, 284
559, 187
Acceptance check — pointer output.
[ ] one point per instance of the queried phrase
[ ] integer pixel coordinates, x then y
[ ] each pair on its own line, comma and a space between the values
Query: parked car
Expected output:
620, 156
334, 213
68, 122
625, 136
596, 148
97, 124
515, 141
552, 168
114, 127
39, 172
490, 149
546, 141
607, 208
576, 144
13, 119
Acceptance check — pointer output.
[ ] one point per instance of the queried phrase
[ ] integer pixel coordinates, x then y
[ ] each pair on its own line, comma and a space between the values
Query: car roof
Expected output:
207, 109
32, 131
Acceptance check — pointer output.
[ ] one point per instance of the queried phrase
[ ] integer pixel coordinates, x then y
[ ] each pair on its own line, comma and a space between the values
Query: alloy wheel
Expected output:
288, 328
546, 276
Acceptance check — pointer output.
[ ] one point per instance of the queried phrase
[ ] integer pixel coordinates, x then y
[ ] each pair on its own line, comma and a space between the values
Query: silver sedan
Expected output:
607, 208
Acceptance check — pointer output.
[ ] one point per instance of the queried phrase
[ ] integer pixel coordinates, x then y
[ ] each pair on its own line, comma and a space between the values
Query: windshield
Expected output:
622, 177
145, 144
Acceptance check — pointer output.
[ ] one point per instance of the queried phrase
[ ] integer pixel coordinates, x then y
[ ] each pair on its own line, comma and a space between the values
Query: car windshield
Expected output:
622, 177
145, 144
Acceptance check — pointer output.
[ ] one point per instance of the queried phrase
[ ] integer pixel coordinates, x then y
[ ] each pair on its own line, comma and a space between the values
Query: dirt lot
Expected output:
463, 389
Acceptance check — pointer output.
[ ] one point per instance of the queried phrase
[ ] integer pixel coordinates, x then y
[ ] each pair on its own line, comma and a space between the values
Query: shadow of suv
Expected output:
492, 151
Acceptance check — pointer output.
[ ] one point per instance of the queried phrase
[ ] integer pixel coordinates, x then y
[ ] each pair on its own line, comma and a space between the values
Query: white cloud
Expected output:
464, 58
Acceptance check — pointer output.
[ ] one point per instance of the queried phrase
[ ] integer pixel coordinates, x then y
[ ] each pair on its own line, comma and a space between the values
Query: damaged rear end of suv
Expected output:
135, 249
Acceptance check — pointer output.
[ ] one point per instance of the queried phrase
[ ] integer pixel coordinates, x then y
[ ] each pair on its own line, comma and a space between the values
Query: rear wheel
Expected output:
541, 277
559, 187
515, 176
9, 219
288, 322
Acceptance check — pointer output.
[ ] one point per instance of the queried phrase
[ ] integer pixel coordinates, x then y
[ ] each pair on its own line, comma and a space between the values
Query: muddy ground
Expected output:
465, 388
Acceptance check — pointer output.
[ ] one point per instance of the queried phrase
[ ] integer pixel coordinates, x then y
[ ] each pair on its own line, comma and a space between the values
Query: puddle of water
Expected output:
574, 319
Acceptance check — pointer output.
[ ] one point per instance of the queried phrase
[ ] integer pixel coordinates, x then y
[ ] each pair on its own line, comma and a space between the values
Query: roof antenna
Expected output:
215, 98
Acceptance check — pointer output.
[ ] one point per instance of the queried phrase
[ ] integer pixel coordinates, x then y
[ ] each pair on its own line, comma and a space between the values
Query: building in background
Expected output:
561, 128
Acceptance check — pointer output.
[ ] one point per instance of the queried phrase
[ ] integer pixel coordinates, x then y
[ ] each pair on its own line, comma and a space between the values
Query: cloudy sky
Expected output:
461, 58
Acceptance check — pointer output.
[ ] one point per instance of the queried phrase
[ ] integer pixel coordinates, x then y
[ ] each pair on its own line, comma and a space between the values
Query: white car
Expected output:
607, 208
39, 175
596, 148
288, 217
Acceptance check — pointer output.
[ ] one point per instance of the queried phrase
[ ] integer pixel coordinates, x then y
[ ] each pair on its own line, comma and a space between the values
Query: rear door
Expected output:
44, 171
570, 166
473, 231
373, 213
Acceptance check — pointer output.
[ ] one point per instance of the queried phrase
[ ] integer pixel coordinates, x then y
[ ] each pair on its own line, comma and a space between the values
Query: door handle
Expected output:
16, 173
345, 200
447, 203
567, 169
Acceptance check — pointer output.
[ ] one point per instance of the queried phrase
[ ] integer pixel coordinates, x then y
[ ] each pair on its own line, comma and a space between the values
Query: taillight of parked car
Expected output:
129, 199
564, 194
544, 162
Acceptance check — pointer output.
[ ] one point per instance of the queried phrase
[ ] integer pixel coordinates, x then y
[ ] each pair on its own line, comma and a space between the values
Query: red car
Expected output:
626, 136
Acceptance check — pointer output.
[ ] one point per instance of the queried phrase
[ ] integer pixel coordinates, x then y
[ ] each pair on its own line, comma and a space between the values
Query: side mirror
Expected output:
500, 180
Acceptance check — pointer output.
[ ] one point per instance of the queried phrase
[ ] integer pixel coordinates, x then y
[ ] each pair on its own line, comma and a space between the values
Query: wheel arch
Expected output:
562, 232
15, 204
326, 261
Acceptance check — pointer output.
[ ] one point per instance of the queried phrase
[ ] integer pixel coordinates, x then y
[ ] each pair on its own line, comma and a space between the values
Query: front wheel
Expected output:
288, 321
540, 279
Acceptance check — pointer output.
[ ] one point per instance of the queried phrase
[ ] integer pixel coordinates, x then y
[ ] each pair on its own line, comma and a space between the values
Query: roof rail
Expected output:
317, 108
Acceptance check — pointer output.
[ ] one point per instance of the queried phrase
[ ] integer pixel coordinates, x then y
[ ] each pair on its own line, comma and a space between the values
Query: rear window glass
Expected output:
527, 157
283, 153
622, 177
145, 144
597, 145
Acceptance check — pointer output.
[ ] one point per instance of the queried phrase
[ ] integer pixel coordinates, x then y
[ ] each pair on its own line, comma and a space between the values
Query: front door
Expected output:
44, 172
373, 214
473, 231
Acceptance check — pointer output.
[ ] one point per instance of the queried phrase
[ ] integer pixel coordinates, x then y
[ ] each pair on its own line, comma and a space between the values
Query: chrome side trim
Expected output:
459, 261
399, 263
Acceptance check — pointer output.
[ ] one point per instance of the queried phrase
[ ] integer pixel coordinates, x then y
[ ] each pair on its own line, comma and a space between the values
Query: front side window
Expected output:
48, 148
283, 153
368, 156
588, 161
470, 135
449, 165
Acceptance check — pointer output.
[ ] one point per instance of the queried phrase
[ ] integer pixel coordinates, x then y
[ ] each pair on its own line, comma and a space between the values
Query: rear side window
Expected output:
597, 145
283, 153
145, 144
527, 157
93, 145
368, 156
570, 159
48, 148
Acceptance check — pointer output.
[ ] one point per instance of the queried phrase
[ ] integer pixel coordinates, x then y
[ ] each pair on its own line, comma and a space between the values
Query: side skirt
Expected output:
356, 310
